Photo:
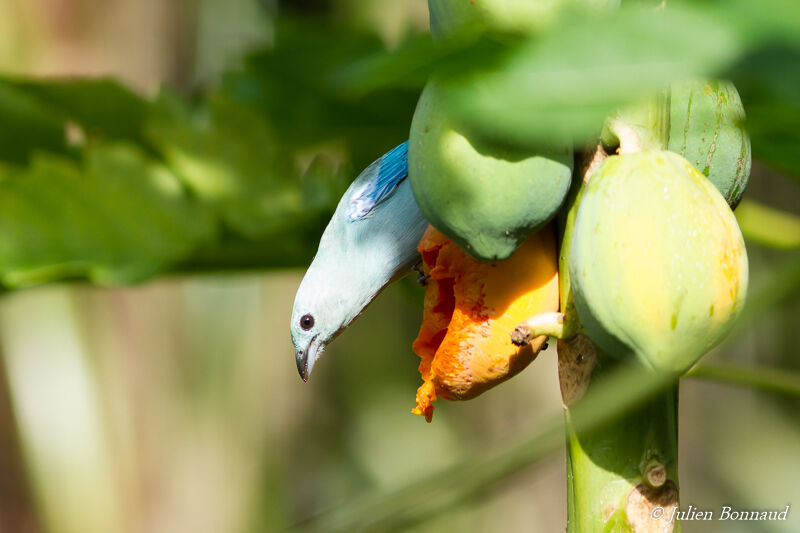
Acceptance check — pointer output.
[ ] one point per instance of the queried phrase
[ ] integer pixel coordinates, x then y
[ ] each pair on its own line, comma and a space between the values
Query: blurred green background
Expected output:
175, 405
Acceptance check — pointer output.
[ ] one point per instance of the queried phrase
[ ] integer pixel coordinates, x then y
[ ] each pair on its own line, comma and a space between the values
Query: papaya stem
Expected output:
550, 324
607, 487
641, 126
621, 475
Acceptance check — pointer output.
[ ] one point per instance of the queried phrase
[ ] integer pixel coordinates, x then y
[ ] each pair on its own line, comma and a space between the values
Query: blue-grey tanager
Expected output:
370, 242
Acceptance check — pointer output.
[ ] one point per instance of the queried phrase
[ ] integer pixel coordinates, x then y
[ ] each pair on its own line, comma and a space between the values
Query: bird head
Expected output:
310, 328
328, 299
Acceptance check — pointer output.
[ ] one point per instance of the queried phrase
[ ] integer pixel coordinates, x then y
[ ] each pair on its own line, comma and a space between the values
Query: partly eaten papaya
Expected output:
471, 308
486, 197
658, 265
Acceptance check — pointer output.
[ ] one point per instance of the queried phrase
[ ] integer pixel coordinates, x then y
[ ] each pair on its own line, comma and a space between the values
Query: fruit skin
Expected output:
706, 128
657, 262
464, 342
486, 197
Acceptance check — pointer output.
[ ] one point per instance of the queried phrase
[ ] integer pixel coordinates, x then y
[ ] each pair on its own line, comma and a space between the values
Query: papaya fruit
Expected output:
486, 197
658, 265
464, 342
706, 127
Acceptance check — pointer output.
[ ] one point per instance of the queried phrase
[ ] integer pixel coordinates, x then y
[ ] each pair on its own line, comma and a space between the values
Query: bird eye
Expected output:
306, 322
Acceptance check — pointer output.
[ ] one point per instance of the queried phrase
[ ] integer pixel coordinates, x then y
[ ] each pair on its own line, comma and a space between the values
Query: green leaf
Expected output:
768, 80
566, 78
256, 166
565, 81
115, 218
102, 107
231, 160
766, 21
418, 57
27, 126
292, 86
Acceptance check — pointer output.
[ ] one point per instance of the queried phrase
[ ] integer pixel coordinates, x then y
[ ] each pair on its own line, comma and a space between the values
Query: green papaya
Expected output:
658, 265
706, 127
485, 197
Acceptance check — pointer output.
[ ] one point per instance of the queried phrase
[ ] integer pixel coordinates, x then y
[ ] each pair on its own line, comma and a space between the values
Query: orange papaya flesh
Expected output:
471, 308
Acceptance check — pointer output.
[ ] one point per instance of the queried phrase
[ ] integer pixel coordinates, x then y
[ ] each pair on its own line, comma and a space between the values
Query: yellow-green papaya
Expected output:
706, 127
658, 265
485, 197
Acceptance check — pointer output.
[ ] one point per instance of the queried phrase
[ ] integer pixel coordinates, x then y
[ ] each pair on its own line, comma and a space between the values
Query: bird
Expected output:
370, 242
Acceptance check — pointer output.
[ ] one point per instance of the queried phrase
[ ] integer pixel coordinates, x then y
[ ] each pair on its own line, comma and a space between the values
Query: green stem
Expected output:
780, 381
614, 396
620, 474
623, 475
640, 126
550, 324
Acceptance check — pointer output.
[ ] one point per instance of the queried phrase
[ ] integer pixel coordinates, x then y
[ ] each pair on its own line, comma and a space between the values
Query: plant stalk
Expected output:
623, 475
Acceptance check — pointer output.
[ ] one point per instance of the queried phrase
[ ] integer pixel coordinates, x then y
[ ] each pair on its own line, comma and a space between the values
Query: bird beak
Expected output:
305, 358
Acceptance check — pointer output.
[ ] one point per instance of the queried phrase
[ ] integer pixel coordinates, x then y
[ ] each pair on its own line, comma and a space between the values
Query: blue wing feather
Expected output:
387, 172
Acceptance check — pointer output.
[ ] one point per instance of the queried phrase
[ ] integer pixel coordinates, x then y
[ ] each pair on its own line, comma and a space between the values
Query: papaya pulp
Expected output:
472, 307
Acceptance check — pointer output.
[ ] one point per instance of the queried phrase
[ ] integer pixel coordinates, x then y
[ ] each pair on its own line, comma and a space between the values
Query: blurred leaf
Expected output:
252, 189
768, 226
565, 81
290, 86
263, 157
781, 381
231, 160
408, 66
608, 399
767, 21
782, 284
115, 218
26, 126
102, 106
768, 80
119, 212
417, 58
324, 183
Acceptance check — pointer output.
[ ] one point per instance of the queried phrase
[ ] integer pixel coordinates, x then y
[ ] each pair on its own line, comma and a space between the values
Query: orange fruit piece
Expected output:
471, 308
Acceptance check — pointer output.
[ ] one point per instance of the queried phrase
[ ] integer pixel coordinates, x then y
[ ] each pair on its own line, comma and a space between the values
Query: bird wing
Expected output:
382, 177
